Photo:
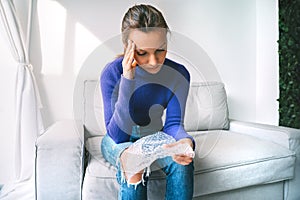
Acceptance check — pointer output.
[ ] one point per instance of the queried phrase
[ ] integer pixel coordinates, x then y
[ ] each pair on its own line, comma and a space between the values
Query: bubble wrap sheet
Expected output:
141, 154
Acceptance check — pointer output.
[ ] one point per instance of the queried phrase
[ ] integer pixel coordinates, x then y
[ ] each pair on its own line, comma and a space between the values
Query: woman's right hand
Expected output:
128, 62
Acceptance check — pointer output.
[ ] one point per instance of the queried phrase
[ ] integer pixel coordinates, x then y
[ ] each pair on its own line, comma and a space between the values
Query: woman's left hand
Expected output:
181, 158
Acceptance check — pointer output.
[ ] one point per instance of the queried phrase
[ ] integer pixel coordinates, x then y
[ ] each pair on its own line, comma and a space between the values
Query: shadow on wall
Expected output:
59, 44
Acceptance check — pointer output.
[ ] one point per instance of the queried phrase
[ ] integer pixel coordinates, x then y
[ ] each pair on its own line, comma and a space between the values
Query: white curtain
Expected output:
27, 104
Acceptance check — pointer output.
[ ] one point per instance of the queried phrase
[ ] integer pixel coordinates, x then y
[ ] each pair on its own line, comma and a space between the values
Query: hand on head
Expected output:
129, 63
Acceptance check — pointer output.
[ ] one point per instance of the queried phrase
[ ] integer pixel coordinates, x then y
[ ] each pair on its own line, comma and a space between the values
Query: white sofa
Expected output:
234, 159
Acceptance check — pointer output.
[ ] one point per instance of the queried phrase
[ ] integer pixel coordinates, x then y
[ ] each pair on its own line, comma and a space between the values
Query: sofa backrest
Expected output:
206, 108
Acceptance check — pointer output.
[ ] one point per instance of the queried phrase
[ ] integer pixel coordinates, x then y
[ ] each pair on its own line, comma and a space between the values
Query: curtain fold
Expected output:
28, 121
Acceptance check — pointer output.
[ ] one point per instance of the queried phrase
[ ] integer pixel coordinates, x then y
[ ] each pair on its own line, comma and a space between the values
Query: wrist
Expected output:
128, 74
189, 141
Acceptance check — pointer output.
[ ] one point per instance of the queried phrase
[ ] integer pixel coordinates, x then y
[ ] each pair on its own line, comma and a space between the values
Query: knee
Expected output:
181, 169
128, 177
134, 179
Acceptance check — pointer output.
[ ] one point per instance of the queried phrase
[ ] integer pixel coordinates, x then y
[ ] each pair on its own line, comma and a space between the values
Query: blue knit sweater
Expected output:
141, 102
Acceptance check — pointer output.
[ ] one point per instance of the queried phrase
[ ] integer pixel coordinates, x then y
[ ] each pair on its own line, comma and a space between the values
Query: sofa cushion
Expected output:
228, 160
206, 107
93, 117
224, 161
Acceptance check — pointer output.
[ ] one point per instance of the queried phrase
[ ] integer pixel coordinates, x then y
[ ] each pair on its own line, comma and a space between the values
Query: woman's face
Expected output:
150, 49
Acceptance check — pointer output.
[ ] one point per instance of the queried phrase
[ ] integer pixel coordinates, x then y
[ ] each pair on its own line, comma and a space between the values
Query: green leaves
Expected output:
289, 59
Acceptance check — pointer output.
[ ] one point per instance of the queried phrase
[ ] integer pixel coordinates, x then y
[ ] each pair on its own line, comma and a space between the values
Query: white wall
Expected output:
267, 66
241, 38
238, 35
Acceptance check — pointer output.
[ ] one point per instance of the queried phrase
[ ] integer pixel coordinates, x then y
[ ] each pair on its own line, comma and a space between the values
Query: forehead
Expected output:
152, 39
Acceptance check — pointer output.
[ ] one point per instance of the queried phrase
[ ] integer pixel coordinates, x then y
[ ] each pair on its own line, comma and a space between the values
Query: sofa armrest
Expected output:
287, 137
59, 162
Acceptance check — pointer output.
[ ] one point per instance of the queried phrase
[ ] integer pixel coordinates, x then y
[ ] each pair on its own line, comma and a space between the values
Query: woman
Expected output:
136, 88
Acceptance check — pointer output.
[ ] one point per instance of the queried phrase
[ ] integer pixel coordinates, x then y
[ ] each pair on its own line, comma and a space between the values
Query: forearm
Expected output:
118, 121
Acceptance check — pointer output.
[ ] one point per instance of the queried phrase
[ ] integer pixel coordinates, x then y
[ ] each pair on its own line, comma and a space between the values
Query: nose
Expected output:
152, 60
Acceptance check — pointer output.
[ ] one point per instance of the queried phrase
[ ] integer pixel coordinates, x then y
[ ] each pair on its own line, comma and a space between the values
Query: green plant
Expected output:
289, 63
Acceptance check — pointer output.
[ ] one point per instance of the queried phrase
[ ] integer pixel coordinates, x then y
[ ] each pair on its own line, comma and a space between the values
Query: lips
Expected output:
152, 66
153, 69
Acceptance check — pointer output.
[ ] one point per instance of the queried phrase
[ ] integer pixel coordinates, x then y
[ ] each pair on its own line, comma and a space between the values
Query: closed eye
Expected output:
160, 50
141, 53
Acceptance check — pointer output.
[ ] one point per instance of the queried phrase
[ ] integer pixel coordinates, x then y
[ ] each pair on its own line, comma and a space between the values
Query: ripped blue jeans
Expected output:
179, 178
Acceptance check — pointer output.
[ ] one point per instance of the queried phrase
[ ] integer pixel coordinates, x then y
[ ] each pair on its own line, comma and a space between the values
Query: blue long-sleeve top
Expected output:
140, 102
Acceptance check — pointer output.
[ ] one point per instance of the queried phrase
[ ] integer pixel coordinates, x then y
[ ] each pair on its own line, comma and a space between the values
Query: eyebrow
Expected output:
139, 49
